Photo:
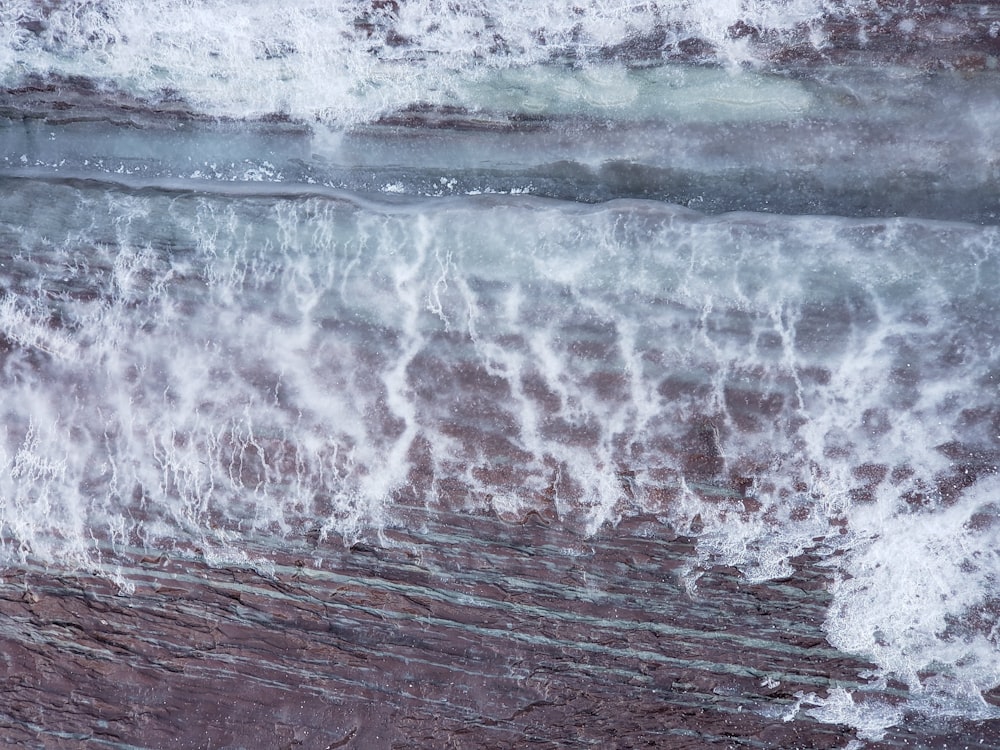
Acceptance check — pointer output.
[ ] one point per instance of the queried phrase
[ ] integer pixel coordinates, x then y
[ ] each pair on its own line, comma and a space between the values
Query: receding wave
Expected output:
276, 277
198, 368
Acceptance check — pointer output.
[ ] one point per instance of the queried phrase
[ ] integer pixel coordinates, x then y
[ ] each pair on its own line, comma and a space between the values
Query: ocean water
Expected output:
270, 271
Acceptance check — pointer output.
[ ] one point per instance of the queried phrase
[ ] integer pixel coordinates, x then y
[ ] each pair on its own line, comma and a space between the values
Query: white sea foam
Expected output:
221, 370
346, 61
920, 593
870, 717
226, 366
209, 370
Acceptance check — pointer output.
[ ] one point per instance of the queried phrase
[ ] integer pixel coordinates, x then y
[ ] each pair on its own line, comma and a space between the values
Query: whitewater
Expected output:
271, 271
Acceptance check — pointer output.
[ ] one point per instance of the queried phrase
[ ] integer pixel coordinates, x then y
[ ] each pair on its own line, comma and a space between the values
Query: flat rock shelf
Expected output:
471, 632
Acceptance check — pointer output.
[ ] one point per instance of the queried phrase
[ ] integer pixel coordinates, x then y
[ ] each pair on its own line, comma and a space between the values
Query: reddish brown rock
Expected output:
472, 633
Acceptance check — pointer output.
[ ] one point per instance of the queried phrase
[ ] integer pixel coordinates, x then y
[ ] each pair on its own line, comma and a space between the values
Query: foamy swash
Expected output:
270, 274
210, 369
356, 60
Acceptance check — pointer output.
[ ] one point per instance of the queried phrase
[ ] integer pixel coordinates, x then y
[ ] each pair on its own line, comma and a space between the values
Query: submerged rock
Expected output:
474, 633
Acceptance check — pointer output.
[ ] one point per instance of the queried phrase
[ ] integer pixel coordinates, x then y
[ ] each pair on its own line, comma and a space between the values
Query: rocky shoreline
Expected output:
465, 632
450, 627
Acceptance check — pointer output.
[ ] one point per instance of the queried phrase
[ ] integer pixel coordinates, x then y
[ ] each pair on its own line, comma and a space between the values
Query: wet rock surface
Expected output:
467, 632
454, 629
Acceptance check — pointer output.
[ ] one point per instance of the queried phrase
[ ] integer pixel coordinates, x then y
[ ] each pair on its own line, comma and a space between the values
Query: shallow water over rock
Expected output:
500, 379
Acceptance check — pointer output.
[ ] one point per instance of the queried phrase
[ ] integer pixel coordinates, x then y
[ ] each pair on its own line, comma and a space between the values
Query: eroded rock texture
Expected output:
469, 633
